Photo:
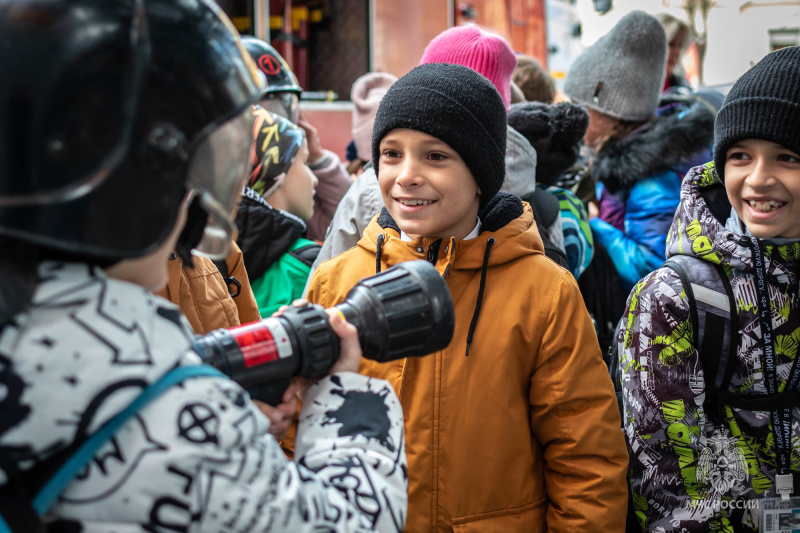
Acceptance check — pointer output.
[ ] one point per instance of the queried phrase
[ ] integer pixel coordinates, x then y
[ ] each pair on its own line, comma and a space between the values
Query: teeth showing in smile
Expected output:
415, 202
765, 206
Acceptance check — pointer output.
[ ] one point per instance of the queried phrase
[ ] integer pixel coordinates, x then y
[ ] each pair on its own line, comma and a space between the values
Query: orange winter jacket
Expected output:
523, 434
203, 297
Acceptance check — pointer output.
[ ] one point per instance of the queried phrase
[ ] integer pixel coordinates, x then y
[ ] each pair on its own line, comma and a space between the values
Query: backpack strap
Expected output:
545, 206
546, 209
712, 309
715, 323
305, 251
70, 468
714, 318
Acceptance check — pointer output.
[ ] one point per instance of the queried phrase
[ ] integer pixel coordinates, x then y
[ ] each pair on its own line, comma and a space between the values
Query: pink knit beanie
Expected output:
366, 94
487, 53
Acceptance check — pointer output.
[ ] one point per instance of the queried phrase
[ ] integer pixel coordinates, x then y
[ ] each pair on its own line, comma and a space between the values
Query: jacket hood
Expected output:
521, 160
505, 219
701, 228
683, 128
265, 233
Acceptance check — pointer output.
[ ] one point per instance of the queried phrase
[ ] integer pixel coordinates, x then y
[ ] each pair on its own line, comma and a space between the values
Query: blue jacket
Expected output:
638, 183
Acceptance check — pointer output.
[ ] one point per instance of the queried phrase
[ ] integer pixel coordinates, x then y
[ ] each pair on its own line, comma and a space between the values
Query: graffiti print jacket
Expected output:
512, 426
198, 458
696, 466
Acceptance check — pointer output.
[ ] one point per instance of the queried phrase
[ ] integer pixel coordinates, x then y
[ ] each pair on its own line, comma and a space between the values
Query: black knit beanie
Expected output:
763, 104
456, 105
555, 131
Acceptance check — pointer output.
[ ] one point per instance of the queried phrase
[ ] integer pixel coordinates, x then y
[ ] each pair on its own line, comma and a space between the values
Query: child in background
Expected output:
513, 427
366, 94
694, 444
275, 207
534, 81
281, 96
555, 132
641, 147
679, 37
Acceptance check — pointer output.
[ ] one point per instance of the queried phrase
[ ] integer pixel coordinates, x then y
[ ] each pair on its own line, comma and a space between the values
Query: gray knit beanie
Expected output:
622, 74
456, 105
763, 104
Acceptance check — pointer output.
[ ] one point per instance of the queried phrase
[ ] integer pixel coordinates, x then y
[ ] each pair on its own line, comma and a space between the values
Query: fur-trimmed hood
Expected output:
682, 130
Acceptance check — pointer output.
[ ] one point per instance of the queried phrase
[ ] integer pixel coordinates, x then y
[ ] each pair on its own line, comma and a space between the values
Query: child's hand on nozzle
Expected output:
281, 415
349, 346
349, 349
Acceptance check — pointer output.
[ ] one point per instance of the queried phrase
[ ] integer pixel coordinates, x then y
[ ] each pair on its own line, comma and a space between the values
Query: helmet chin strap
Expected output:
196, 220
18, 278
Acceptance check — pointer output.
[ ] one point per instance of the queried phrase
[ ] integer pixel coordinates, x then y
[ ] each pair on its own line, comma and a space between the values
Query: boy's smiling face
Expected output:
426, 186
763, 184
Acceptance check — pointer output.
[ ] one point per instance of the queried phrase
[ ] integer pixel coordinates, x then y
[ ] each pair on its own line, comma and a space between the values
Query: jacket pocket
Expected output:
530, 517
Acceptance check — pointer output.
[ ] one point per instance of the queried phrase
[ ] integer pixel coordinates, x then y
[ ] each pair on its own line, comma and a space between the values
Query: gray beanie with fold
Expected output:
622, 74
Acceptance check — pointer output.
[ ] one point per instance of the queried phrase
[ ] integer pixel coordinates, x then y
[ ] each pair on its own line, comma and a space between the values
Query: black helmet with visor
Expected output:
282, 95
142, 102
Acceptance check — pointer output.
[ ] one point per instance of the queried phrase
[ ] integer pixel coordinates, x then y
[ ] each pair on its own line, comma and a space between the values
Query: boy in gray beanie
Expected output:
539, 447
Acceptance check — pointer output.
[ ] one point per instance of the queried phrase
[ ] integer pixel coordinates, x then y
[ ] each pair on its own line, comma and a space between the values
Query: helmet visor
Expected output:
285, 104
217, 172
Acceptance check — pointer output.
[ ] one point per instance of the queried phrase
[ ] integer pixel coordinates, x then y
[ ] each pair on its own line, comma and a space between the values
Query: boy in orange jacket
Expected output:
513, 427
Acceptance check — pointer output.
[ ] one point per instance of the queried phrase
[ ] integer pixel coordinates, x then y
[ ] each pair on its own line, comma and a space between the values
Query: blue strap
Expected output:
56, 485
4, 526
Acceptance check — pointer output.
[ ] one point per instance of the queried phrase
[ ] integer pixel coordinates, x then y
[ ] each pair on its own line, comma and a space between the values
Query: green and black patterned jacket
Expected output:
695, 466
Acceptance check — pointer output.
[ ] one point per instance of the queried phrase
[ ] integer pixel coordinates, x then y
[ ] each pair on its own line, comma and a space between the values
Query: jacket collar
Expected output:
265, 233
507, 227
504, 218
701, 229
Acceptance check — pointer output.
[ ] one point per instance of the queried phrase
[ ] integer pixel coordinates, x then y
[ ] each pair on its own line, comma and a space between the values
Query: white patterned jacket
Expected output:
198, 458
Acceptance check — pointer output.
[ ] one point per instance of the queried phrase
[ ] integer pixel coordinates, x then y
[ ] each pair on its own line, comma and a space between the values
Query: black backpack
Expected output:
602, 293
